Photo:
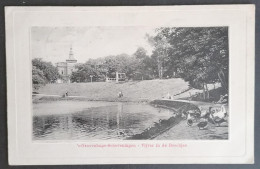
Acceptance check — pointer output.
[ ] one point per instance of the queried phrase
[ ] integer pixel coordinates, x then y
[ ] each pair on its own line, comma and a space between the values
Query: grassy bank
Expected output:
102, 91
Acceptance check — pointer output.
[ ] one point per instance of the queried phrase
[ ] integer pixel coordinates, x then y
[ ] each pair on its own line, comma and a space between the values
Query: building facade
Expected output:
66, 68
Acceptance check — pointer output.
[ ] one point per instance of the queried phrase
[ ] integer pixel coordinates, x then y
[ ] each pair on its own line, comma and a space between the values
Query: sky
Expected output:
53, 43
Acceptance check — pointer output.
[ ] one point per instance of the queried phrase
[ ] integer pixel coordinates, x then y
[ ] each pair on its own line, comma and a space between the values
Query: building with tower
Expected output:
66, 68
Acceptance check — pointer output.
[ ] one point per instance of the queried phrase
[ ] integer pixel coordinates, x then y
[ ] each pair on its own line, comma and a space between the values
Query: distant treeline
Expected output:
198, 55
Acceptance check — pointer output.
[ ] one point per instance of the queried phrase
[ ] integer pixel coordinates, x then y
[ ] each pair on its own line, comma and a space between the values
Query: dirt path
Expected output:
182, 132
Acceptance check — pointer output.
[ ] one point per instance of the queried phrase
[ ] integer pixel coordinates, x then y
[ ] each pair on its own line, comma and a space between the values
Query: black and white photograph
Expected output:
130, 83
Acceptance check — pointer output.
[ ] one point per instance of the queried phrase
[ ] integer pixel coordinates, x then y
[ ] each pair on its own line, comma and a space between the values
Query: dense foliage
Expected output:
136, 67
43, 72
198, 55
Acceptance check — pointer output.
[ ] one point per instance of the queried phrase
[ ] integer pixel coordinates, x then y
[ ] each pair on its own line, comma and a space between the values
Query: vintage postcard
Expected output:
130, 85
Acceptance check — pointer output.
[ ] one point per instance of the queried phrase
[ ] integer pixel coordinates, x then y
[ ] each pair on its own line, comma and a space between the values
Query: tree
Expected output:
43, 72
50, 72
198, 55
143, 64
140, 53
38, 78
122, 63
84, 71
135, 66
160, 53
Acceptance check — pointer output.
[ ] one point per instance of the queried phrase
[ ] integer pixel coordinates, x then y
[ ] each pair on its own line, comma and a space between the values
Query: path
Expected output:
183, 132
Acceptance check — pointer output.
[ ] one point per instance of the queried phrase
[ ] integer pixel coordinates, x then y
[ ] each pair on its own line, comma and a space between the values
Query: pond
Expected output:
78, 120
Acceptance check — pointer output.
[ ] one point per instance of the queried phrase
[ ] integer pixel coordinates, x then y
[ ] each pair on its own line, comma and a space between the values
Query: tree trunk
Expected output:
161, 72
207, 91
159, 68
204, 95
223, 82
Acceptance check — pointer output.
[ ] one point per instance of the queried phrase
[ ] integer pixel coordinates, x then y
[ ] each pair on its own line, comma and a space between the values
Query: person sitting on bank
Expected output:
168, 96
120, 94
66, 94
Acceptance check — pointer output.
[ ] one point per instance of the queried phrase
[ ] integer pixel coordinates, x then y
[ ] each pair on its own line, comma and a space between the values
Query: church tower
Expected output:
70, 64
66, 68
71, 57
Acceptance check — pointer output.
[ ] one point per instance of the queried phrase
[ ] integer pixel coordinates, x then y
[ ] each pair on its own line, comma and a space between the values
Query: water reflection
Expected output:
107, 122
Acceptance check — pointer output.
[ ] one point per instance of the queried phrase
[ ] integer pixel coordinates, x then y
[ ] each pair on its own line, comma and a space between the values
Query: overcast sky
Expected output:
53, 43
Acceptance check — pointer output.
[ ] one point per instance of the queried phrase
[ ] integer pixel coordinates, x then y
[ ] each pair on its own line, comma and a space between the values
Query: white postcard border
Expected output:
238, 149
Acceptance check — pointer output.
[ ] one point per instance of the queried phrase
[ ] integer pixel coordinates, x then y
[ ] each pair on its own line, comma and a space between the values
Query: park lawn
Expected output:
133, 91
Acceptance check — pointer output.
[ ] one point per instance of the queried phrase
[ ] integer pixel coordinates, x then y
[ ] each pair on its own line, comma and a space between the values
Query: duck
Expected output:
121, 133
195, 114
202, 124
219, 120
190, 122
209, 115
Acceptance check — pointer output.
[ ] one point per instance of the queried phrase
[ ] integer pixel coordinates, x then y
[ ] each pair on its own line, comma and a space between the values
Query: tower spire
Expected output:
71, 55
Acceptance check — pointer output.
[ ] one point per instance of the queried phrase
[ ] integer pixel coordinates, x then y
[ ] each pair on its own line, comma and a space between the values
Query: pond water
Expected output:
96, 121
